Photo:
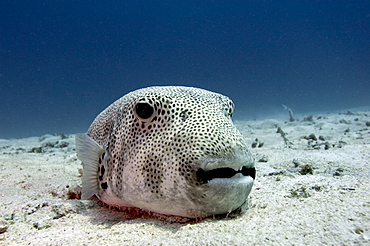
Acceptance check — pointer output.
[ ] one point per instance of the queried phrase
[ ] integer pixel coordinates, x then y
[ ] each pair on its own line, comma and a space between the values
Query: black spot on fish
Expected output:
102, 170
104, 186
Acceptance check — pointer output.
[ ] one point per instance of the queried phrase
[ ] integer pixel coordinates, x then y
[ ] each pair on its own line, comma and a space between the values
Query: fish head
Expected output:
174, 150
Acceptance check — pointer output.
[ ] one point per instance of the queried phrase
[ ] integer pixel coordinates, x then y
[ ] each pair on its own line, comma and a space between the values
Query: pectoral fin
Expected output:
89, 151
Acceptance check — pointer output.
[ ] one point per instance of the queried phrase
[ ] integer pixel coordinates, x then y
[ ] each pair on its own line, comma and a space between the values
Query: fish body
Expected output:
172, 150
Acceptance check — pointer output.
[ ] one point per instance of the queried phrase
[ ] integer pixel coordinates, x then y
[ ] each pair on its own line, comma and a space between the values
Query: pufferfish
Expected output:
172, 150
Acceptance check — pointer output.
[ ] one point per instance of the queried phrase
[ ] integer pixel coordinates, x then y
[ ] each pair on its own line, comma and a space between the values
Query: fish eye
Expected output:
144, 110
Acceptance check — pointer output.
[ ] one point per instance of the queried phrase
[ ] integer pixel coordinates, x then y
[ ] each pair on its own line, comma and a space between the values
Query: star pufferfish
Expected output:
168, 149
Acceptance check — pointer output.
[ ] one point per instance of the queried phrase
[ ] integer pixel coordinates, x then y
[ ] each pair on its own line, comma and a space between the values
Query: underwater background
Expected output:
63, 62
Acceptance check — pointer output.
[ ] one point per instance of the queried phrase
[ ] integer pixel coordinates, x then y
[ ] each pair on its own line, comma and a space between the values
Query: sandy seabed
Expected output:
312, 188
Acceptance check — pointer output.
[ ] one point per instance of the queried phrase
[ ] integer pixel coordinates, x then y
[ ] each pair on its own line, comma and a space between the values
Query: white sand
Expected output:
330, 206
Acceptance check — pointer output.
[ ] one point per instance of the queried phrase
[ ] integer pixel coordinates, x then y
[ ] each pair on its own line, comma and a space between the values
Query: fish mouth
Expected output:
236, 166
223, 173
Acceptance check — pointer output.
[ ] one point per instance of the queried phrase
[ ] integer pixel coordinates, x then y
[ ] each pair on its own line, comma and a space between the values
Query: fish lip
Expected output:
236, 161
204, 176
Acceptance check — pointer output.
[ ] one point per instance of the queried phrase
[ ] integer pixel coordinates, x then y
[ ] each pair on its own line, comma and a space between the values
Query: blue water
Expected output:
62, 62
